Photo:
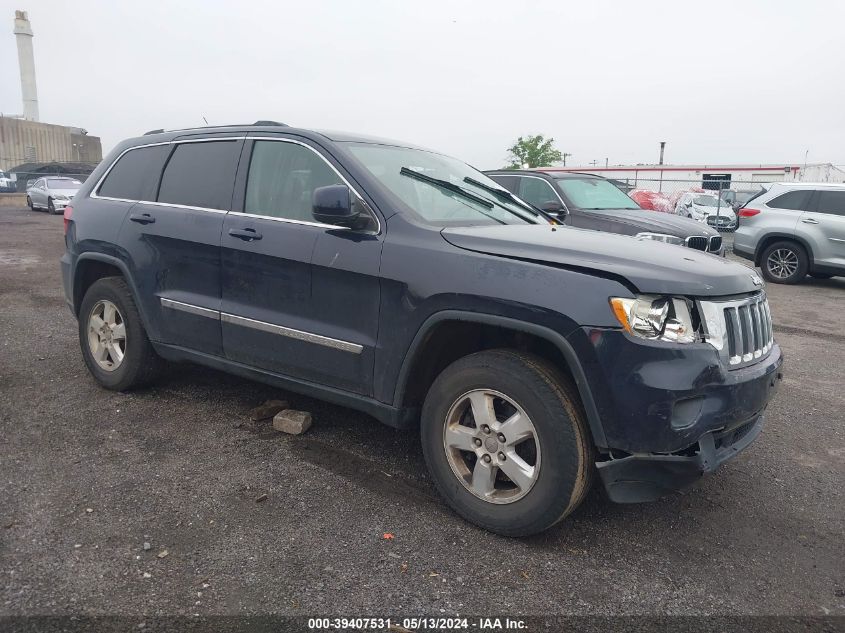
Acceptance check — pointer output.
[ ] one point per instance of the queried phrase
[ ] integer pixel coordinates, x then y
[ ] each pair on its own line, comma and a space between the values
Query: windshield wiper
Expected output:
507, 195
448, 186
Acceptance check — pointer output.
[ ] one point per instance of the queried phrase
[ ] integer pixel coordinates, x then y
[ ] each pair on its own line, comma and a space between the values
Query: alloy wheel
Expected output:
107, 335
491, 446
782, 263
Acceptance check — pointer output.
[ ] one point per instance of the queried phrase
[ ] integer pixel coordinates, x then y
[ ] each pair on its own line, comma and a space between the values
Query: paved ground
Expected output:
87, 476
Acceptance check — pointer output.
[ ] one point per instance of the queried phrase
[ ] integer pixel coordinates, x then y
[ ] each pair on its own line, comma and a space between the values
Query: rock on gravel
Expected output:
292, 422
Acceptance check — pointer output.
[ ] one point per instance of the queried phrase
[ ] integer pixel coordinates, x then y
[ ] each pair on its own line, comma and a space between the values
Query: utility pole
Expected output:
662, 147
605, 163
564, 158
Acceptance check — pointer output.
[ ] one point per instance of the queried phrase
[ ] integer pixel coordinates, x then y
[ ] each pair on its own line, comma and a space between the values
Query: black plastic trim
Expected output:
556, 339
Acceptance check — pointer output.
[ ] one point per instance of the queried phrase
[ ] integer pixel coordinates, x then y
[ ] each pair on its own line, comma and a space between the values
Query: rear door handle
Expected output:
245, 234
142, 218
809, 221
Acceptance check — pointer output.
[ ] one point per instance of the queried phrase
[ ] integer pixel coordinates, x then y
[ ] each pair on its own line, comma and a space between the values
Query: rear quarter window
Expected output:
794, 200
832, 202
201, 174
135, 175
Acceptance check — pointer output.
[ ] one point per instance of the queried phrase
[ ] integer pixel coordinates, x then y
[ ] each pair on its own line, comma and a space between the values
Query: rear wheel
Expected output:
784, 262
114, 344
506, 442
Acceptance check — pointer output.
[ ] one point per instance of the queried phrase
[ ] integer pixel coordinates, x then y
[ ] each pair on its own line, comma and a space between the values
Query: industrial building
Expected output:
34, 146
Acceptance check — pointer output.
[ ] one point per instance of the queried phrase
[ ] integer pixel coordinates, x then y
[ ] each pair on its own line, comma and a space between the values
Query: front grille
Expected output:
715, 244
748, 330
720, 221
698, 242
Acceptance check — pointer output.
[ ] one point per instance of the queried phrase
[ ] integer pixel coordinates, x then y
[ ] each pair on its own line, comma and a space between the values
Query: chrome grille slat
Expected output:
758, 330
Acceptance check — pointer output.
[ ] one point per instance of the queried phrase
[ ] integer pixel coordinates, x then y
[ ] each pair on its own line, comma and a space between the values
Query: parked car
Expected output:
53, 193
591, 202
794, 229
404, 283
7, 185
707, 208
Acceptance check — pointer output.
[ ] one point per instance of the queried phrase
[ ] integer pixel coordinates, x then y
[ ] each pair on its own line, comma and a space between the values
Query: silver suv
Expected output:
792, 229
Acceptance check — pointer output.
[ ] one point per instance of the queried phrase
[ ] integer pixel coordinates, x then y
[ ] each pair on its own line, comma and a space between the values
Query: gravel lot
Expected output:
88, 476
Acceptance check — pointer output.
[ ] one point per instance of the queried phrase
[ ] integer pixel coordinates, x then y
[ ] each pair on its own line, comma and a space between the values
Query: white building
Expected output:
732, 176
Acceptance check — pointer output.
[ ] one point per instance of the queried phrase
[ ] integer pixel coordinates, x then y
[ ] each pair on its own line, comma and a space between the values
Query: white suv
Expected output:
792, 229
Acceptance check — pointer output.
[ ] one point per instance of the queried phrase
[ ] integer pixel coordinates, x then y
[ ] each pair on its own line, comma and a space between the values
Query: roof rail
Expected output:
261, 122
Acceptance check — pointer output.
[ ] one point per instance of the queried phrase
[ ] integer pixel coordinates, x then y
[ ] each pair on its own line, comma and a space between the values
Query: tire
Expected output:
29, 203
821, 276
784, 262
139, 363
51, 208
562, 468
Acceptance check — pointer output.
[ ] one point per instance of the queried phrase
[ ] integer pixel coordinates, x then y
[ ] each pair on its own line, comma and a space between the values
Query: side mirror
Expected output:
333, 205
555, 209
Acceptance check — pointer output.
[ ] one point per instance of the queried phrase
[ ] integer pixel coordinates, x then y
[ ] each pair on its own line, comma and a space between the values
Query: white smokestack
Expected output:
26, 60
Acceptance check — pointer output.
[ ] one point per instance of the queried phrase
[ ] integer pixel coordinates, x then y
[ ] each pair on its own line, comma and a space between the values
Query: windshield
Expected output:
708, 201
595, 194
62, 183
453, 201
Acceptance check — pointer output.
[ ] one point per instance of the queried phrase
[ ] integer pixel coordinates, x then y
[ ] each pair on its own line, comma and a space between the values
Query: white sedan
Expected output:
707, 208
53, 193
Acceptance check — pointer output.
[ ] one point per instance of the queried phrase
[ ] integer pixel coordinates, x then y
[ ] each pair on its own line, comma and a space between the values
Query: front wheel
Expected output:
29, 203
51, 208
506, 441
114, 344
784, 263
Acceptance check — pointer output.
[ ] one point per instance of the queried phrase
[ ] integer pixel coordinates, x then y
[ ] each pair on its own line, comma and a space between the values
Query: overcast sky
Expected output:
738, 81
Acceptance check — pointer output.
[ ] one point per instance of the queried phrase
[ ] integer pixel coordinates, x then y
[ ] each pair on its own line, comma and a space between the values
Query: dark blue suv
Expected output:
408, 285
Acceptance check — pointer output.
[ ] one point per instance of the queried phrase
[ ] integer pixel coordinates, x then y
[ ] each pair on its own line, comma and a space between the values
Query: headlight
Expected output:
660, 237
60, 196
656, 318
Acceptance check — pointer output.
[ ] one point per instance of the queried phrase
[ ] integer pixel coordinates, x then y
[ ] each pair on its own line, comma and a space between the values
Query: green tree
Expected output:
534, 151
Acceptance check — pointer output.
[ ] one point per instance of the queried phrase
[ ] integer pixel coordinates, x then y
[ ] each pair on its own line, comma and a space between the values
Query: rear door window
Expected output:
832, 202
511, 183
794, 200
201, 174
135, 175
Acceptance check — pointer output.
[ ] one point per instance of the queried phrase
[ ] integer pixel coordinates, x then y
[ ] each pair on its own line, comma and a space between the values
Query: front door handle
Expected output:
142, 218
809, 221
245, 234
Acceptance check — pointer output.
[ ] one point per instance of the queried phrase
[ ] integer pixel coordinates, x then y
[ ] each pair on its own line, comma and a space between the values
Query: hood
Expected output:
653, 222
652, 267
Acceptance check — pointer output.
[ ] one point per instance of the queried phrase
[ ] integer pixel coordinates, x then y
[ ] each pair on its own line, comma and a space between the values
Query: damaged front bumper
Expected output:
648, 476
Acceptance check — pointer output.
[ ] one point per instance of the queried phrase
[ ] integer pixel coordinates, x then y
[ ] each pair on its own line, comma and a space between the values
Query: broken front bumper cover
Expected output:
648, 476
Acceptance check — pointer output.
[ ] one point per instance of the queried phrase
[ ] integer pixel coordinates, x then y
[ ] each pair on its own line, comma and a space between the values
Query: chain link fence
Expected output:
20, 172
714, 202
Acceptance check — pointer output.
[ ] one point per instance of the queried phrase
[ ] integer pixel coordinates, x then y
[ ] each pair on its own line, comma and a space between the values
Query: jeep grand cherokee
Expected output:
408, 285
